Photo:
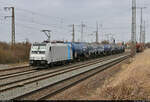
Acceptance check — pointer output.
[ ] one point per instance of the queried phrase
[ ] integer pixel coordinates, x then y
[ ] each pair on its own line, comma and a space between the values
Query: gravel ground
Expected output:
131, 83
88, 87
5, 66
127, 81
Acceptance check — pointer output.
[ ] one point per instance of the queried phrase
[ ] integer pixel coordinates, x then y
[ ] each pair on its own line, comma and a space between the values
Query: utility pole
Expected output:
13, 24
113, 39
73, 33
108, 36
133, 35
82, 26
26, 47
97, 32
47, 33
141, 25
144, 33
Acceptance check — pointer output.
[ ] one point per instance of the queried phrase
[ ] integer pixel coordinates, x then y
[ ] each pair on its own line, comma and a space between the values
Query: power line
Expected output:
29, 27
42, 24
39, 14
32, 19
31, 22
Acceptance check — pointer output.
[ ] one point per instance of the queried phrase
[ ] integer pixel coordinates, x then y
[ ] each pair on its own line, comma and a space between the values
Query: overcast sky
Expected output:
32, 16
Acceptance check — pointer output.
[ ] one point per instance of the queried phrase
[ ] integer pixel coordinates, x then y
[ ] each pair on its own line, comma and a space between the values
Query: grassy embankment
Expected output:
18, 55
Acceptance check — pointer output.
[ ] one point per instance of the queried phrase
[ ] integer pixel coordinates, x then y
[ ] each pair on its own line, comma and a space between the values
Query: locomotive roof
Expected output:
51, 44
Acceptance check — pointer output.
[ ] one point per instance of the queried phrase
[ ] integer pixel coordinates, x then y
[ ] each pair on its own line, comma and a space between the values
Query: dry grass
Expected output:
131, 83
129, 90
19, 54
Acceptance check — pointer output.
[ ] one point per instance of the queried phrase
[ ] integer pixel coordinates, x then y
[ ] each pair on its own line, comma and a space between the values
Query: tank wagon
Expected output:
44, 54
139, 47
100, 49
95, 50
80, 50
107, 49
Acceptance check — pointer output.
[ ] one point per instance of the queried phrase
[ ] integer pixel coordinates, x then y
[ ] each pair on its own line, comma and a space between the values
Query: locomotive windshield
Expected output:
38, 48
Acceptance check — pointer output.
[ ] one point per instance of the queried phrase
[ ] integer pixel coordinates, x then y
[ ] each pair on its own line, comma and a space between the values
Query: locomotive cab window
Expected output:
50, 49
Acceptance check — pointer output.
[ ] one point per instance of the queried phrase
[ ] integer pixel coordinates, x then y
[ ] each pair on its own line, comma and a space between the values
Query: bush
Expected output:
147, 45
105, 42
20, 53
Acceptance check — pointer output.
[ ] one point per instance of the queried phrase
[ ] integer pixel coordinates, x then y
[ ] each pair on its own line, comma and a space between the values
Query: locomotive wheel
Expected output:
52, 65
104, 53
75, 55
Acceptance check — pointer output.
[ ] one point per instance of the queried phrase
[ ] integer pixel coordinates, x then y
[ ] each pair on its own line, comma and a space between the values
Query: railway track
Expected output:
22, 70
13, 68
15, 71
23, 86
47, 92
15, 80
30, 70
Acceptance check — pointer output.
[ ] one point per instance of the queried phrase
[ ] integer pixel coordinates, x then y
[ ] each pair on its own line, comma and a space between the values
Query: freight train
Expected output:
49, 54
139, 47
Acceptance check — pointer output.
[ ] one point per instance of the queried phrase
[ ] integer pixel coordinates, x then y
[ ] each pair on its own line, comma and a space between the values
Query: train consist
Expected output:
139, 47
49, 54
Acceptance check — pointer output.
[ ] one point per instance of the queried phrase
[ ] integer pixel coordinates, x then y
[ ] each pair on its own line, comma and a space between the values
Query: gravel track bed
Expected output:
20, 80
83, 73
24, 76
24, 88
6, 73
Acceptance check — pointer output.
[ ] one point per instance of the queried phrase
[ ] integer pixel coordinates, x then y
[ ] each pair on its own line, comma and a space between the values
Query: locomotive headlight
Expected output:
31, 58
43, 58
31, 62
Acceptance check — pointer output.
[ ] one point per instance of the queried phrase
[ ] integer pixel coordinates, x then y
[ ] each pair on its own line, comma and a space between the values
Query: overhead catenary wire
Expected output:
38, 14
90, 29
35, 22
39, 23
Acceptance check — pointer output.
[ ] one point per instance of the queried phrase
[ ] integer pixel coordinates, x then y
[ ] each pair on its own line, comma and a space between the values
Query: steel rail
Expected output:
38, 84
69, 82
13, 74
36, 74
57, 87
4, 85
17, 71
13, 68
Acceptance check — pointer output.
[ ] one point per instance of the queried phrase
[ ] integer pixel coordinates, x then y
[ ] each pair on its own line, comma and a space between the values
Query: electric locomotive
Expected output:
50, 53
